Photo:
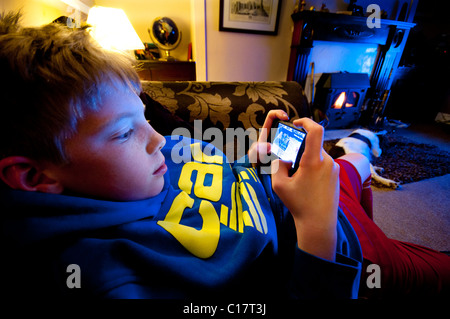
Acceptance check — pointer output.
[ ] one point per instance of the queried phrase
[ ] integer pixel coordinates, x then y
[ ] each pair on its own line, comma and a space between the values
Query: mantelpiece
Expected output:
390, 37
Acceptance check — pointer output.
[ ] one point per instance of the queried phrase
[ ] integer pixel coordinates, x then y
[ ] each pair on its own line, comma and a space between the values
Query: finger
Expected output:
263, 150
259, 153
280, 170
314, 138
272, 115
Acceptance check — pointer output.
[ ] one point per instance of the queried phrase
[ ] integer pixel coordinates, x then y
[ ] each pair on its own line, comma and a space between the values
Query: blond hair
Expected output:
51, 77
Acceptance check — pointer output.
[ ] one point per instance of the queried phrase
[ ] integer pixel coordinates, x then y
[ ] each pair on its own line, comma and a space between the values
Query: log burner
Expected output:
339, 97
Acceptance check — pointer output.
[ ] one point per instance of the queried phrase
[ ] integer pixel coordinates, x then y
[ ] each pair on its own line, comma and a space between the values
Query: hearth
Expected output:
339, 98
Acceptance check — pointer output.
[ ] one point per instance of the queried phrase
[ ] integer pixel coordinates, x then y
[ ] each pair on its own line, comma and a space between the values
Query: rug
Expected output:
406, 161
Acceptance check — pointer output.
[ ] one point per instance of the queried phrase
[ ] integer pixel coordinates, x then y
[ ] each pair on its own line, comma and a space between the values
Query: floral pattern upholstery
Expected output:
228, 104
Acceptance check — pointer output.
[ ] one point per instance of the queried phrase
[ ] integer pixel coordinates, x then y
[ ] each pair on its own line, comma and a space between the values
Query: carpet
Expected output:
406, 161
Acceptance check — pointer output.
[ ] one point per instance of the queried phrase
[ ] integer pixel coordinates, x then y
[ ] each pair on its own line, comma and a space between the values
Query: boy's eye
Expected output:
126, 135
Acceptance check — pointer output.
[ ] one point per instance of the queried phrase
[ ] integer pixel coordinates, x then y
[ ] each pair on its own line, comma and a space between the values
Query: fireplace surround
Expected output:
390, 39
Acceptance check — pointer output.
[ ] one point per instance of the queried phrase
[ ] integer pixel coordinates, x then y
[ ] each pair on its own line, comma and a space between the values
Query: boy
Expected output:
88, 182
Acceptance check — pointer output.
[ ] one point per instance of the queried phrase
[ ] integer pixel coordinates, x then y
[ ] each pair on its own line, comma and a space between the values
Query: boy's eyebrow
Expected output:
115, 120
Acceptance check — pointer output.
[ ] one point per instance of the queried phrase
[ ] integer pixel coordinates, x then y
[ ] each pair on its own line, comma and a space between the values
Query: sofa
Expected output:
220, 105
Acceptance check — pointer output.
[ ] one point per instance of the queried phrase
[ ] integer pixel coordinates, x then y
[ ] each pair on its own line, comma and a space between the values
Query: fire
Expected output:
341, 100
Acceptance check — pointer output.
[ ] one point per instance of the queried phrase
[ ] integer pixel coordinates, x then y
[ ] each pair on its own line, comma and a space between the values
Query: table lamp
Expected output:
112, 29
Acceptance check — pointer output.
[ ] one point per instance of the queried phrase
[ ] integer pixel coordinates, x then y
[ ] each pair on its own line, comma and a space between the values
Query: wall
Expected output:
39, 12
35, 12
141, 13
220, 56
247, 57
198, 35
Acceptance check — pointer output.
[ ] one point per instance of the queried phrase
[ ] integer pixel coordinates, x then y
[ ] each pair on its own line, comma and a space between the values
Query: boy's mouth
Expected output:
161, 170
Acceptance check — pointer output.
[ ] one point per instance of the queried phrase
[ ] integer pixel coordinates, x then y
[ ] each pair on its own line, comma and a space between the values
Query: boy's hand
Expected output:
259, 151
311, 194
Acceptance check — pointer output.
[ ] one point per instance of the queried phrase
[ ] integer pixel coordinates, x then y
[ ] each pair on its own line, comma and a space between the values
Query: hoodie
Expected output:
216, 230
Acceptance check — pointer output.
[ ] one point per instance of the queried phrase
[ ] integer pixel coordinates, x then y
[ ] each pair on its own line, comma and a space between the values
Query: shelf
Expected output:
154, 70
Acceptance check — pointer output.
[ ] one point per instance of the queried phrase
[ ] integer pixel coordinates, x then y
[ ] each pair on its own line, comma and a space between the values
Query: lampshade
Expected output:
112, 29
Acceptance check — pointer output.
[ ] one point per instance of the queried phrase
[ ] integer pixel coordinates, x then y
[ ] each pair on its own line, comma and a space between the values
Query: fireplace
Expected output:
390, 38
339, 98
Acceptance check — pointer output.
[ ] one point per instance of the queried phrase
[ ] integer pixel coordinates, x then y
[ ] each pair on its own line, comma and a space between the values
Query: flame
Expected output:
340, 101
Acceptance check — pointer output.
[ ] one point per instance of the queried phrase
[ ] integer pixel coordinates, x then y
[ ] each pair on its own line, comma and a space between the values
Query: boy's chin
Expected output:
156, 189
132, 197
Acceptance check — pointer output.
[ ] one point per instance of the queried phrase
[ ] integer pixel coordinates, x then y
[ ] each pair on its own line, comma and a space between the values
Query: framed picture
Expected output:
250, 16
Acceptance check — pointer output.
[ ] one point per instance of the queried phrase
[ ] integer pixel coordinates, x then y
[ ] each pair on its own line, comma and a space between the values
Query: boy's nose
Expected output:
162, 141
156, 142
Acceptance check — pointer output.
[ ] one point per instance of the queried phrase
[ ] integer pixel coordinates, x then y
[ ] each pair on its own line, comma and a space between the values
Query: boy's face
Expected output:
116, 154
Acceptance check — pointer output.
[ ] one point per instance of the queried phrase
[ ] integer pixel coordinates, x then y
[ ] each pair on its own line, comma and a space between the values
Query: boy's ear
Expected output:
23, 173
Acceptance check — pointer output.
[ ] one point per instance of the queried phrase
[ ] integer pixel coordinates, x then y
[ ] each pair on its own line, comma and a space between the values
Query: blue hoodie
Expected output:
216, 230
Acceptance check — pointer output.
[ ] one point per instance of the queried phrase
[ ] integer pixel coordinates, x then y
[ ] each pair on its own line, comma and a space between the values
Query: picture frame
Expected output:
250, 16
